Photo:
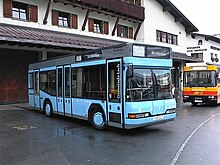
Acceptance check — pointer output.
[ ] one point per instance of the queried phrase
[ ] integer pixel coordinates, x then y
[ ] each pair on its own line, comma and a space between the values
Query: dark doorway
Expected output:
13, 74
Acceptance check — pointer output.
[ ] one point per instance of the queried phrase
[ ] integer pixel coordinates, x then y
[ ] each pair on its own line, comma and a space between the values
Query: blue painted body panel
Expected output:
81, 106
155, 108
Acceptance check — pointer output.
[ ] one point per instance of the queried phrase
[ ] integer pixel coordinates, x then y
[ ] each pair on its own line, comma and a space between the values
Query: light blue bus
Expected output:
125, 86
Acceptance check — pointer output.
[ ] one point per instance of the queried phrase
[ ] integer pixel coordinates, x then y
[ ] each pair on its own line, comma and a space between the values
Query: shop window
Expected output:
20, 11
166, 37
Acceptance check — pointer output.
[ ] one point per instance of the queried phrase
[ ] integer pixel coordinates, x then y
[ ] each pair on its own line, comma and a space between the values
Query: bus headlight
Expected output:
138, 115
186, 97
169, 111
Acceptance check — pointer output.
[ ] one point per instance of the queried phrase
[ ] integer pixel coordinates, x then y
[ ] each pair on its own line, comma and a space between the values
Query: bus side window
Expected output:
48, 82
89, 82
30, 80
36, 75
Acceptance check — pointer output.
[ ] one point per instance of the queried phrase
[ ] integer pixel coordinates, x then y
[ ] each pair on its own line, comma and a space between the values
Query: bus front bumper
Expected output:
143, 122
200, 99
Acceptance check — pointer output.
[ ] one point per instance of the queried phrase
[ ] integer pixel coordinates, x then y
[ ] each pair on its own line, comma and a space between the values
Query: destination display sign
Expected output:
88, 57
151, 51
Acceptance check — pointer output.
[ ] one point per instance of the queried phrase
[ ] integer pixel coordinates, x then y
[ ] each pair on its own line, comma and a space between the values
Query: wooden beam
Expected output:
76, 3
47, 12
179, 19
115, 27
86, 19
137, 31
167, 8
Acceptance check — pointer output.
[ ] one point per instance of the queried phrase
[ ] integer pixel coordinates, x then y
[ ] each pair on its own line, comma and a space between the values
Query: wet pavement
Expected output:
28, 137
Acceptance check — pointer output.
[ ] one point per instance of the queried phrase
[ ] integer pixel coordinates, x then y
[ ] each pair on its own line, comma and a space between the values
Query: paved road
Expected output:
28, 137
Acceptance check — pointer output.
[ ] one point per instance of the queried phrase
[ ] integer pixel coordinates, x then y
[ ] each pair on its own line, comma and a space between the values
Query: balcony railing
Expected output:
114, 7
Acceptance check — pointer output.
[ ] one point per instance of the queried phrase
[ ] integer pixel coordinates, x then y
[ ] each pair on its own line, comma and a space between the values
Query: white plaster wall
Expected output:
156, 19
191, 42
42, 6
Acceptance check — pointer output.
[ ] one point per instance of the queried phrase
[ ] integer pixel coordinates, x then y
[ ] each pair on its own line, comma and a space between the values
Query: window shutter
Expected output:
106, 28
7, 8
33, 13
55, 15
74, 21
91, 25
119, 30
130, 33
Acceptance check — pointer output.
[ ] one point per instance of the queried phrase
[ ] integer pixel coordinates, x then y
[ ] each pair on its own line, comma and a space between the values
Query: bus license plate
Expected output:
198, 101
158, 118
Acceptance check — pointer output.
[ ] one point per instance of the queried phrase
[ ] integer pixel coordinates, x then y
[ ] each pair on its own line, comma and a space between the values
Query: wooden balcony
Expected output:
116, 8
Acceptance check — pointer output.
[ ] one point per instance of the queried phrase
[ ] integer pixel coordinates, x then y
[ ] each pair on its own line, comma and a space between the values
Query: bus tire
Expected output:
48, 108
98, 119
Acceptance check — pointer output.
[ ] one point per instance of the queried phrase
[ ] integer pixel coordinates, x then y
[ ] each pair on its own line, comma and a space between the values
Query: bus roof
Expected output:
116, 51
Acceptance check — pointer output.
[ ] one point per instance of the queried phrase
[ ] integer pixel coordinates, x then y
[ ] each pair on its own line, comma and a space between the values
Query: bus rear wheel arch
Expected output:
97, 118
48, 108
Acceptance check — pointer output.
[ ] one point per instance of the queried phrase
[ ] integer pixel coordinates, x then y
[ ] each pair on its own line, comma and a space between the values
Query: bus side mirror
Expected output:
130, 71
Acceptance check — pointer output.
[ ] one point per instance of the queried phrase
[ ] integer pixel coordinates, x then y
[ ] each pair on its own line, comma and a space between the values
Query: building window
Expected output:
169, 38
98, 26
64, 19
197, 56
174, 42
136, 2
19, 10
216, 58
212, 57
166, 37
200, 42
124, 31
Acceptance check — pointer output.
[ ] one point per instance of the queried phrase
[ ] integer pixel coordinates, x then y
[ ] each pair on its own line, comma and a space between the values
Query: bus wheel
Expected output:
98, 120
48, 109
194, 104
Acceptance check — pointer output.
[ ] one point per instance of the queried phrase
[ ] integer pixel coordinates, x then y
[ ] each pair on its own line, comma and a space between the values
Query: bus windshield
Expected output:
200, 79
149, 84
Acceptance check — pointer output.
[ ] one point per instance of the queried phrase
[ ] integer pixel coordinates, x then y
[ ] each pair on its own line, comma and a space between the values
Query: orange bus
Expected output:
202, 84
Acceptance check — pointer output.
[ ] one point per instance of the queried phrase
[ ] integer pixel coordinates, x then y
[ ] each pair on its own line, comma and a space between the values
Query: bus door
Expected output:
114, 93
36, 89
60, 90
67, 89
